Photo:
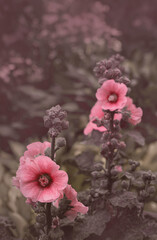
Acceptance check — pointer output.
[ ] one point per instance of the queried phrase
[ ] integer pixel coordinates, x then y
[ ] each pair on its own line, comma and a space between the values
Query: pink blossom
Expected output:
40, 179
118, 168
136, 113
77, 207
92, 126
112, 95
36, 148
97, 112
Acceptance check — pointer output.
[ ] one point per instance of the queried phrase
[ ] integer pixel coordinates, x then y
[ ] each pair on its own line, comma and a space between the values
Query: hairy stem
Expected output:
48, 205
109, 160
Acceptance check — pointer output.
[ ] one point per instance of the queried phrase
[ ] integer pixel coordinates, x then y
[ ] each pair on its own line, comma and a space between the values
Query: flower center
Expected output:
44, 180
112, 98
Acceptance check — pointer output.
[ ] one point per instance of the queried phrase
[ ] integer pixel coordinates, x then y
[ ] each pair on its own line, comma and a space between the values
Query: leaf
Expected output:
92, 224
85, 161
125, 200
137, 137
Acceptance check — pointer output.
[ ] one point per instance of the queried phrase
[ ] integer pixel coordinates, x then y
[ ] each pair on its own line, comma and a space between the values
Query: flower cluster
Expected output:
38, 177
40, 180
111, 96
55, 120
76, 206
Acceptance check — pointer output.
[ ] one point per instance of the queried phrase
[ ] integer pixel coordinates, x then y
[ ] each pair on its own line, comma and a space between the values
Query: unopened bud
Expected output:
41, 218
122, 145
98, 167
114, 172
60, 142
151, 190
65, 125
114, 142
125, 184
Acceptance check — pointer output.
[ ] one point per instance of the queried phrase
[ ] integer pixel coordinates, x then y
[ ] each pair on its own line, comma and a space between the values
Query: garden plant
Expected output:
112, 204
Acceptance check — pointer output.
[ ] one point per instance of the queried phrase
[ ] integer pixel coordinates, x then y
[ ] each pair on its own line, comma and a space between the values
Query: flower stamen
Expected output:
113, 98
44, 180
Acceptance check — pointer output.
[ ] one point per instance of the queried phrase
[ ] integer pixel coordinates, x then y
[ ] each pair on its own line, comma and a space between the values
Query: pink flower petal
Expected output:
48, 194
30, 190
60, 179
46, 164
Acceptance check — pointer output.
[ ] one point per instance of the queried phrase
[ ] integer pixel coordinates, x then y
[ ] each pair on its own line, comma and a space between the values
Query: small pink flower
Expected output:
92, 126
118, 168
112, 95
78, 207
40, 180
36, 148
97, 112
136, 113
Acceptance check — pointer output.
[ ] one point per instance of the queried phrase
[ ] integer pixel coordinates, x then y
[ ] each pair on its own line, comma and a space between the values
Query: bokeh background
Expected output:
48, 49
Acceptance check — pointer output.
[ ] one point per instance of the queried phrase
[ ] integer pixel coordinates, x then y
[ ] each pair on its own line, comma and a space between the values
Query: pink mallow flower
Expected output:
112, 95
135, 113
41, 180
92, 126
77, 207
35, 149
97, 112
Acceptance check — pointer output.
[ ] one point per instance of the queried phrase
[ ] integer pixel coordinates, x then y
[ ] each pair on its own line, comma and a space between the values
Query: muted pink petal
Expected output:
135, 113
48, 194
60, 179
92, 126
30, 190
79, 207
46, 165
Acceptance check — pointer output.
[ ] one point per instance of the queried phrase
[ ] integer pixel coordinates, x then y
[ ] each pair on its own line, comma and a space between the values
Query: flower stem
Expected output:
109, 161
48, 205
53, 148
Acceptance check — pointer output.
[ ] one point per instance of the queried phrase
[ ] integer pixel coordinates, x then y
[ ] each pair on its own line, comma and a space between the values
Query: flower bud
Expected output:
60, 142
122, 145
114, 142
108, 64
96, 195
41, 218
124, 80
92, 192
125, 184
105, 148
98, 167
94, 174
43, 237
65, 125
102, 80
114, 172
151, 190
144, 194
103, 183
